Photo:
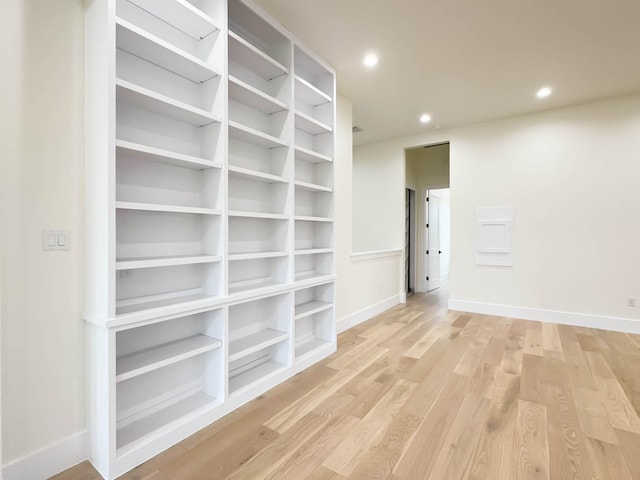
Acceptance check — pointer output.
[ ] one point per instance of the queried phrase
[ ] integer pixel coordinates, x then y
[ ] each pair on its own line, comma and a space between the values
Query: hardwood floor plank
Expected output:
608, 461
531, 444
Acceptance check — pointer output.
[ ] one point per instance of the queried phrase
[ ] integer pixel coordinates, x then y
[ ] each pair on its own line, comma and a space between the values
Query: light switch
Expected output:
55, 240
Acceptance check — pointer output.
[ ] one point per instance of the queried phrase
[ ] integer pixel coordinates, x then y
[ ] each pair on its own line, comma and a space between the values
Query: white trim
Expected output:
403, 298
365, 314
618, 324
50, 460
362, 256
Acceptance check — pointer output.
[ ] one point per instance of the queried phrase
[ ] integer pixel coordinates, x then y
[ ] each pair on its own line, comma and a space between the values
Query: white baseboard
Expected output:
365, 314
618, 324
48, 461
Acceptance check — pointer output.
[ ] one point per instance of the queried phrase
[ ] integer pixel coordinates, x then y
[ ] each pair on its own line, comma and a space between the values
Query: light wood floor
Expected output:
420, 392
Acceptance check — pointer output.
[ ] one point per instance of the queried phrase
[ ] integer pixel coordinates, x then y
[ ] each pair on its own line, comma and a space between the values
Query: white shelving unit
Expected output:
210, 232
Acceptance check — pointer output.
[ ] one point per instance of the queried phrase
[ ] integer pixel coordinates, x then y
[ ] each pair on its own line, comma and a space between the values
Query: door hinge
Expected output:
427, 279
427, 225
427, 199
427, 252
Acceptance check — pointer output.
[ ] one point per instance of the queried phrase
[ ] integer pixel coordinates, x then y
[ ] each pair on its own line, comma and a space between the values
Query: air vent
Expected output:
356, 129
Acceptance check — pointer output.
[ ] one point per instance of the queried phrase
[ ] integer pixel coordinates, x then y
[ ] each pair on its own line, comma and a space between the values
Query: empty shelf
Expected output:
255, 284
311, 308
310, 346
244, 379
150, 262
309, 218
128, 434
152, 207
154, 102
310, 155
256, 255
254, 98
144, 152
243, 52
312, 187
308, 124
310, 93
244, 346
256, 137
255, 175
181, 15
155, 50
269, 216
140, 304
311, 274
139, 363
312, 251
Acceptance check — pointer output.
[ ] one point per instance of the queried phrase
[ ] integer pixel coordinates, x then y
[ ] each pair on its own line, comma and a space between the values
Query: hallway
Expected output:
420, 392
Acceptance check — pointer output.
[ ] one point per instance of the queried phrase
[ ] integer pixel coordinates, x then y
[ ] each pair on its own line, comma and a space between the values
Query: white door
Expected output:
433, 242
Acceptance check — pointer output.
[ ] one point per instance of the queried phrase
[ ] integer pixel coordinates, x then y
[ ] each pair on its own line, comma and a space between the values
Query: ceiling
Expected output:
465, 61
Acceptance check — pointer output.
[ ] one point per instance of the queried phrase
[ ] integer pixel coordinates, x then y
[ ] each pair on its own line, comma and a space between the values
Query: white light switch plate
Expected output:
55, 240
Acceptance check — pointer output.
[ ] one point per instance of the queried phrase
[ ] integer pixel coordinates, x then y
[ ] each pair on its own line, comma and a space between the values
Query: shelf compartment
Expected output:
310, 93
129, 435
313, 265
269, 216
256, 137
145, 361
248, 195
257, 273
312, 187
310, 125
234, 257
309, 155
244, 346
313, 251
254, 98
137, 42
311, 307
311, 275
160, 301
151, 262
250, 377
144, 152
309, 218
309, 345
181, 15
151, 207
148, 100
255, 175
244, 52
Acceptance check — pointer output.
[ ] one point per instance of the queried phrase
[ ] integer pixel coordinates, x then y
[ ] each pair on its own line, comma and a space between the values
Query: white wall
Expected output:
571, 175
364, 286
42, 330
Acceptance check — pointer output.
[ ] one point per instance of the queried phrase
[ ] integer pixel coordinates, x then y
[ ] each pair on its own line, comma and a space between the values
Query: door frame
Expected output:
413, 239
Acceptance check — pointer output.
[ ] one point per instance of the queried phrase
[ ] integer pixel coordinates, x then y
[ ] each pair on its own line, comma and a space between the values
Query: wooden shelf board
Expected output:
245, 379
244, 346
129, 435
268, 216
150, 262
152, 207
144, 152
256, 137
309, 346
161, 104
312, 187
309, 218
245, 53
143, 303
310, 155
313, 251
256, 255
181, 15
255, 175
311, 308
247, 285
146, 361
161, 53
309, 93
308, 124
254, 98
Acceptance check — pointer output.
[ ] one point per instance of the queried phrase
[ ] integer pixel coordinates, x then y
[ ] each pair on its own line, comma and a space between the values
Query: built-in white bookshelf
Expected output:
210, 231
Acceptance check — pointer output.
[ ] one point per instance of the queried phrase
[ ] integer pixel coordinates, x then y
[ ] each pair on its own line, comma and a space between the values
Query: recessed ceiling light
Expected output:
370, 60
425, 118
543, 92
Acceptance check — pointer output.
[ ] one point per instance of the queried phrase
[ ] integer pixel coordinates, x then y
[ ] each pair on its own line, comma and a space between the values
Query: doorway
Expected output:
409, 241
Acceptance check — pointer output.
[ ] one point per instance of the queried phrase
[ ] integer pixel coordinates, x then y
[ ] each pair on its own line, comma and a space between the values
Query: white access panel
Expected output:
493, 234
